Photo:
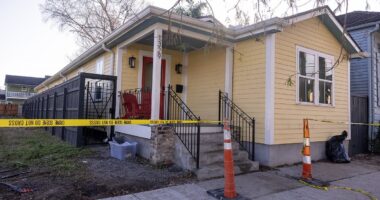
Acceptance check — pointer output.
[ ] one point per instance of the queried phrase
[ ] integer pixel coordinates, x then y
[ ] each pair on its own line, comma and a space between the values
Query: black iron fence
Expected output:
86, 96
136, 104
189, 134
241, 124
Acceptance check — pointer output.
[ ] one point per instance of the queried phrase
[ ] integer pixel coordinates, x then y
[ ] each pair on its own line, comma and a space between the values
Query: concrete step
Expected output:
217, 146
204, 129
217, 170
218, 156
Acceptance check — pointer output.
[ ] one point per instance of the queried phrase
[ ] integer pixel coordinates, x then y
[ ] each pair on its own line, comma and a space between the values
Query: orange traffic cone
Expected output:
229, 176
306, 161
229, 191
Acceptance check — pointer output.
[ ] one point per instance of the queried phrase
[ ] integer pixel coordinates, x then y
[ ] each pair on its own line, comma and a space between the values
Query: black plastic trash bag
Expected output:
335, 150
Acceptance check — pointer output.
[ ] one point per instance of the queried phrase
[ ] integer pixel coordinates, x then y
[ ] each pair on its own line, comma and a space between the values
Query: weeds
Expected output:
40, 149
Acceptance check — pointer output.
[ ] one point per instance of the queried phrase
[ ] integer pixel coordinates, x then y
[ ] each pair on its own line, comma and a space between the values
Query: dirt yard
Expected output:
55, 170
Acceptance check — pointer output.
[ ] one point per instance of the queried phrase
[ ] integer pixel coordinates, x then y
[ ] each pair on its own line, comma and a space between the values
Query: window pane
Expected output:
325, 71
306, 64
306, 90
325, 92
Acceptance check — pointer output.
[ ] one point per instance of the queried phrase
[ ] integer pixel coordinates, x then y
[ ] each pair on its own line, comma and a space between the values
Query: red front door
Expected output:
147, 73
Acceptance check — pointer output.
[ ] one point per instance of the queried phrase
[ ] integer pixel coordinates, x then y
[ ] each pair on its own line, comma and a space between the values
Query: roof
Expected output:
153, 15
358, 18
23, 80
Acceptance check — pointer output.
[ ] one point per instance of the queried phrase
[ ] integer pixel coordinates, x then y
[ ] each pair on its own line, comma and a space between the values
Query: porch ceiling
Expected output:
175, 42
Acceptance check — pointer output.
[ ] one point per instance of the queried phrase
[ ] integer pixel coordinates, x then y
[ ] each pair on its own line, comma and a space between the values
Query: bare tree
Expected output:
191, 9
89, 20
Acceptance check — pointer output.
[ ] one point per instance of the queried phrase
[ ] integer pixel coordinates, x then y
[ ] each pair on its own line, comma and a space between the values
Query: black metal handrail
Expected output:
241, 124
189, 134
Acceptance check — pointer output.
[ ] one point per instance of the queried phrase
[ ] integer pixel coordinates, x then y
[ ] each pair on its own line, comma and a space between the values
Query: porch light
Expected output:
132, 62
178, 68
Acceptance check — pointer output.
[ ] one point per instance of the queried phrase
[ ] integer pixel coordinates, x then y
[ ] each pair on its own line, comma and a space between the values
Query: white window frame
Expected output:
316, 79
24, 89
98, 85
99, 67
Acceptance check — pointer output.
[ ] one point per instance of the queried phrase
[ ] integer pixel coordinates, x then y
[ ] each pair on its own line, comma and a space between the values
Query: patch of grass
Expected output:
37, 148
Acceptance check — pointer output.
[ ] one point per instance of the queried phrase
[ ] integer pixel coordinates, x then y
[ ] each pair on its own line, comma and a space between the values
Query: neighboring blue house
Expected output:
364, 28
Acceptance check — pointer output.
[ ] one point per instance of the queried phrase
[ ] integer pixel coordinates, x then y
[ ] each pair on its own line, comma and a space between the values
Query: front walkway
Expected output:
362, 175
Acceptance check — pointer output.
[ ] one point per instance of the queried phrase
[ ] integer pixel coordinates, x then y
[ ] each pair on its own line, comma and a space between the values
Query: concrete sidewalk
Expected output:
282, 184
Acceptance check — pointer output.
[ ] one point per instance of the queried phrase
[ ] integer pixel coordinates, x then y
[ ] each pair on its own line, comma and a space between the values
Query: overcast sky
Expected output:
31, 47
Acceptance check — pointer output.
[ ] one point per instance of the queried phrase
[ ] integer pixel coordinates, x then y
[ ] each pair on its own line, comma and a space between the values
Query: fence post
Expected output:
219, 105
87, 99
47, 109
54, 111
198, 141
253, 140
63, 112
79, 136
168, 103
38, 108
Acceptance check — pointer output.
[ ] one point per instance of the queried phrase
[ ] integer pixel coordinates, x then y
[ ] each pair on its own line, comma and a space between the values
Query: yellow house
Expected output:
271, 75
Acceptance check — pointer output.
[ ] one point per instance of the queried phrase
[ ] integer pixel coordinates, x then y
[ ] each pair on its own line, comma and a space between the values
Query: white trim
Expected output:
135, 130
156, 75
99, 69
316, 79
195, 35
269, 88
228, 71
139, 36
119, 69
185, 70
166, 57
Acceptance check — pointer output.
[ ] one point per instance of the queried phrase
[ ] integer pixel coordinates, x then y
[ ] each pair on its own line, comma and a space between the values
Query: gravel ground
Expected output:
90, 175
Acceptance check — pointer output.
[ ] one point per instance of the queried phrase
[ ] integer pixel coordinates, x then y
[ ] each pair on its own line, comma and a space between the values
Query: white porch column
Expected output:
228, 71
119, 64
156, 77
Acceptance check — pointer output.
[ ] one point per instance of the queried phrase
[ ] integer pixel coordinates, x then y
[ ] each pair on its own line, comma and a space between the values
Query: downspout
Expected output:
371, 87
62, 76
112, 57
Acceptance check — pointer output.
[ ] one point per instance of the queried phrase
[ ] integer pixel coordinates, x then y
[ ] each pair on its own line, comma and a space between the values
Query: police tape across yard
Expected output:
90, 122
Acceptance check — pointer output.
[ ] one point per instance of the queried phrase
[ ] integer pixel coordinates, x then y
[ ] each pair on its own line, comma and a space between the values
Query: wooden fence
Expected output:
87, 96
9, 109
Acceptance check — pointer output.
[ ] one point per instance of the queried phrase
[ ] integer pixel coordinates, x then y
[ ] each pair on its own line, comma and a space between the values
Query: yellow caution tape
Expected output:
314, 186
90, 122
369, 195
342, 122
363, 192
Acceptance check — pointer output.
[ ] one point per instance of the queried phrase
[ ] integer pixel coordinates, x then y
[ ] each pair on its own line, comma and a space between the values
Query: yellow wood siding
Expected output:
249, 81
130, 76
205, 78
311, 34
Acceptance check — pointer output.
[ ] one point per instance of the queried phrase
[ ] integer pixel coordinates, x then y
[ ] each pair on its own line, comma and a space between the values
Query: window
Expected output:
98, 93
315, 77
24, 89
99, 66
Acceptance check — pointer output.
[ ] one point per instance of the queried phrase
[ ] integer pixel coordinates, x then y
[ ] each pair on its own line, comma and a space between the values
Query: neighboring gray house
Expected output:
2, 96
19, 88
364, 28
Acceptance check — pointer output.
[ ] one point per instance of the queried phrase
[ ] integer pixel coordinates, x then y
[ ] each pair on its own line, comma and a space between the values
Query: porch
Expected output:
194, 67
165, 79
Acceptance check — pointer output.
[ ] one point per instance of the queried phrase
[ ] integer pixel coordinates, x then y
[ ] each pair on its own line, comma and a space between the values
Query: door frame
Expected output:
168, 60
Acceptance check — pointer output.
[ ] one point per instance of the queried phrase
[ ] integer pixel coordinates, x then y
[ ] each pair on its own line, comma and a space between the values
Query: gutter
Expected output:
61, 75
370, 91
112, 57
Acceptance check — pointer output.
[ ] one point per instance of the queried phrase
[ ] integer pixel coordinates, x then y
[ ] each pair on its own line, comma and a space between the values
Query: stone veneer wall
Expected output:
164, 147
